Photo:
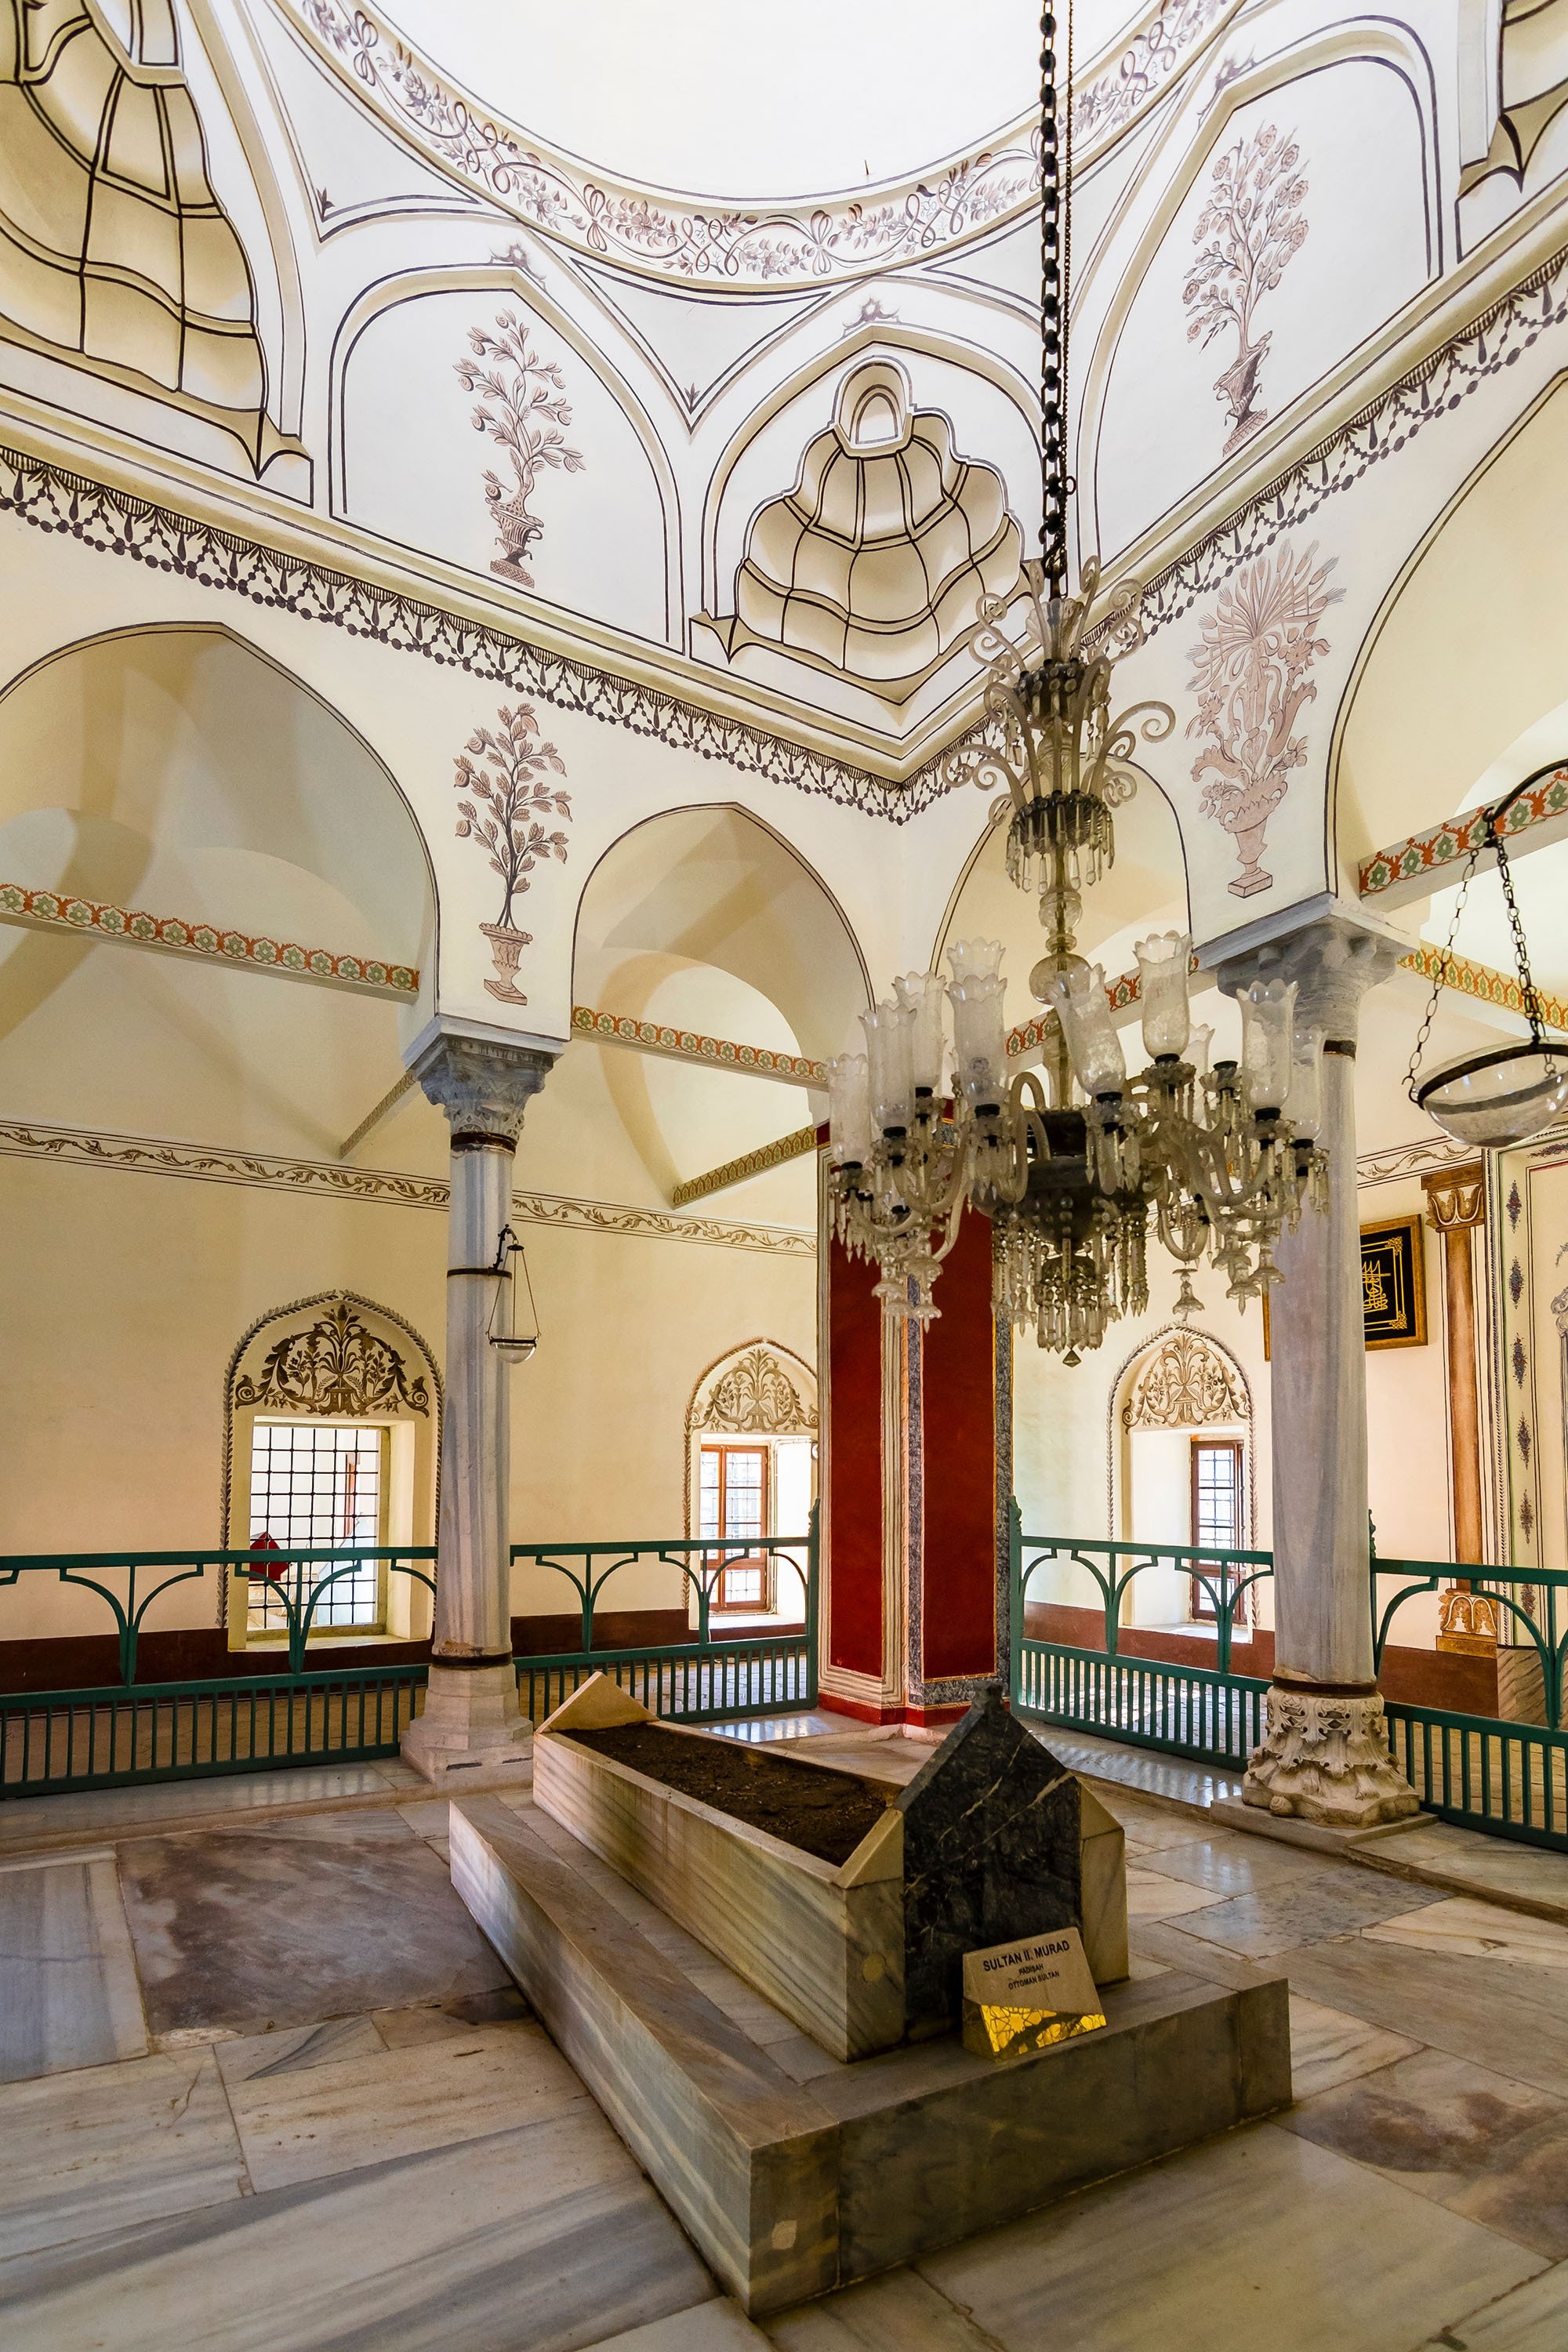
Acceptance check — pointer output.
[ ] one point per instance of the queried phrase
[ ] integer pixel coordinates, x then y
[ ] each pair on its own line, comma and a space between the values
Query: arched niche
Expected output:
177, 772
705, 919
1181, 1390
332, 1411
1482, 598
755, 1406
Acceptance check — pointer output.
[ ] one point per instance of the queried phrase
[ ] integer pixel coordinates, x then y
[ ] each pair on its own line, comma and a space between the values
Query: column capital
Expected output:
1334, 961
484, 1084
1457, 1197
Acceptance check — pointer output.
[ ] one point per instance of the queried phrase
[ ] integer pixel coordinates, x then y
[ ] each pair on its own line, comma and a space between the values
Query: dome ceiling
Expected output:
717, 100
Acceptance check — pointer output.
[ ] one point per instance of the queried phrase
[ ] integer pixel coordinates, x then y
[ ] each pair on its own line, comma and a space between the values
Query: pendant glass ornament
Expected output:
1164, 966
1513, 1092
513, 1334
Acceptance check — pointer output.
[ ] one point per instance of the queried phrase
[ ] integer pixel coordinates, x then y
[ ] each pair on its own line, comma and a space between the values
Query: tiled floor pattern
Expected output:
262, 2083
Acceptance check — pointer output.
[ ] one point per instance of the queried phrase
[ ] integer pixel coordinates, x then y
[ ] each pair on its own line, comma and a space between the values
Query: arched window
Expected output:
1182, 1463
333, 1410
751, 1441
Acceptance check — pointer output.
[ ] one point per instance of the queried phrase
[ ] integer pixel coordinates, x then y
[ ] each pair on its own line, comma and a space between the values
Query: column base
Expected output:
472, 1732
1324, 1757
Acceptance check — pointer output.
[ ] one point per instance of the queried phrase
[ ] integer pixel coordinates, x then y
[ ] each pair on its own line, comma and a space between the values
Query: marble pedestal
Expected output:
470, 1732
797, 2173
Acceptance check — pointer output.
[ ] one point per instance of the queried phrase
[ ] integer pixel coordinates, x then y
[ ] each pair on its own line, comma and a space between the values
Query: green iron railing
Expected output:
1494, 1774
747, 1672
114, 1735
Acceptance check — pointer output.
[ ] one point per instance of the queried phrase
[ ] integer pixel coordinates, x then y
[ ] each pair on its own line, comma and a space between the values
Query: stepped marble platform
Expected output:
796, 2171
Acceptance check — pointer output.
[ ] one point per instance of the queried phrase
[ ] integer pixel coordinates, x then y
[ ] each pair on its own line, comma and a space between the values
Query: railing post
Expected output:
129, 1630
812, 1586
1224, 1618
590, 1593
1112, 1605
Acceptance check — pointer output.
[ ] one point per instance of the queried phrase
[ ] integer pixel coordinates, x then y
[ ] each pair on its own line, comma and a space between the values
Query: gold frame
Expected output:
1412, 1228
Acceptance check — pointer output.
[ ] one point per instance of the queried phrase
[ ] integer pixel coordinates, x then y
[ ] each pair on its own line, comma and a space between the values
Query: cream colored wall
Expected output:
123, 1296
1408, 1416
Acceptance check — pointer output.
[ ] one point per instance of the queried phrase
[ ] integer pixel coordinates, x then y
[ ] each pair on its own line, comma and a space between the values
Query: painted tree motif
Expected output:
1246, 234
503, 810
521, 409
1249, 675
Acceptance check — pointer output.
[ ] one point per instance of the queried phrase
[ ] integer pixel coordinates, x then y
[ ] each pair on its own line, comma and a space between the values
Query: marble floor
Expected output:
262, 2083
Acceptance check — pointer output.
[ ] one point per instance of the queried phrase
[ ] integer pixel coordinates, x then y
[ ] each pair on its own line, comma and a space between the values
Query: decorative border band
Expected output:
62, 911
1483, 982
115, 522
148, 1155
1445, 845
658, 234
690, 1046
750, 1163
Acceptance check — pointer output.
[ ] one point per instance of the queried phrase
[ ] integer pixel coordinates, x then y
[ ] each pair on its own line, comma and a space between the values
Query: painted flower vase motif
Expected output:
507, 945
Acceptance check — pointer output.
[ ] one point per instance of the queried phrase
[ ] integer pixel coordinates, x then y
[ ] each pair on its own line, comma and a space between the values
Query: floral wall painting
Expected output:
503, 775
1250, 676
1246, 233
523, 409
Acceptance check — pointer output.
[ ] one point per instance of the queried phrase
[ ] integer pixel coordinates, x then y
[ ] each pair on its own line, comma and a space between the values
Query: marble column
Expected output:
1324, 1756
472, 1731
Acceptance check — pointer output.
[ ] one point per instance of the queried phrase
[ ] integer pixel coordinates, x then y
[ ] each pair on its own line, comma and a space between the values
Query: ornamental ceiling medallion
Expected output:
757, 1397
1187, 1385
335, 1366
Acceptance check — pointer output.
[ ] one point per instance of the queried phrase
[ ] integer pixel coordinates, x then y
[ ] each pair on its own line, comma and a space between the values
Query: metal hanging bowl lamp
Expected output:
512, 1345
1508, 1093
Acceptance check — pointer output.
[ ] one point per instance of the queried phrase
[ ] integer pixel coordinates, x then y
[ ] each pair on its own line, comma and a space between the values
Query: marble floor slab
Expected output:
901, 2310
303, 1920
1530, 2318
68, 1994
1514, 2019
337, 2116
1229, 1864
298, 2049
1328, 2047
1473, 1930
1152, 1897
1258, 2239
114, 2148
542, 2239
1475, 2141
717, 2327
33, 1821
1321, 1903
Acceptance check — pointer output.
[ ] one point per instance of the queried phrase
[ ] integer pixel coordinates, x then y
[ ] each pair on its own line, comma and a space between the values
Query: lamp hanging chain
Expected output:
1521, 954
1440, 976
1055, 171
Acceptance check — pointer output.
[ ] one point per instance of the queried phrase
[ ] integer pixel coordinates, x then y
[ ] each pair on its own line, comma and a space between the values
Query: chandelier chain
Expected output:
1522, 954
1056, 165
1440, 976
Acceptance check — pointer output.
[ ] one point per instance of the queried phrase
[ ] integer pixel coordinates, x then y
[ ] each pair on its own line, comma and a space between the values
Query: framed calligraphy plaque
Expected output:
1394, 1283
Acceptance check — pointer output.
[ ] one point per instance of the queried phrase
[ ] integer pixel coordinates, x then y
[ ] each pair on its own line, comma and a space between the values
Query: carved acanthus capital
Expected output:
483, 1084
1324, 1757
1334, 962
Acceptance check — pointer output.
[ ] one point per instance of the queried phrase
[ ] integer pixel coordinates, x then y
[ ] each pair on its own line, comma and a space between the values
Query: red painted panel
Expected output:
959, 1431
853, 1547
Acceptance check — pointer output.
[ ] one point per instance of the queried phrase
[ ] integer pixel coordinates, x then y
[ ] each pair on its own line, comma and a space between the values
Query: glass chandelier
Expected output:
1070, 1174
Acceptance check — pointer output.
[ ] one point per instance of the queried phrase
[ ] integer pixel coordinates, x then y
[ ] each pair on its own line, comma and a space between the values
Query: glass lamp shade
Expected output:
1098, 1063
1198, 1045
979, 1023
890, 1040
849, 1110
1303, 1107
514, 1346
1267, 1026
924, 992
974, 960
1164, 962
1504, 1097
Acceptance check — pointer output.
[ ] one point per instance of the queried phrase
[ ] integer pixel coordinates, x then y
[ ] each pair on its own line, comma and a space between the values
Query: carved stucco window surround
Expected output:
873, 566
760, 1394
1180, 1381
331, 1359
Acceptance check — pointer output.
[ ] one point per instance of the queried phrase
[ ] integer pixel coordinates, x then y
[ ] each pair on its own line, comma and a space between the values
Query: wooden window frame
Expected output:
1203, 1612
722, 1603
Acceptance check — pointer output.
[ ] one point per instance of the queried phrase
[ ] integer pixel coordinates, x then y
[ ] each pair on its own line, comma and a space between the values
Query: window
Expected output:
1217, 1510
315, 1482
732, 1500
